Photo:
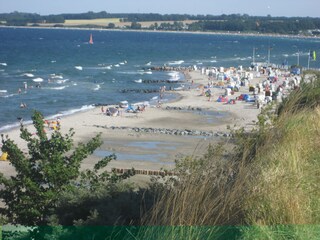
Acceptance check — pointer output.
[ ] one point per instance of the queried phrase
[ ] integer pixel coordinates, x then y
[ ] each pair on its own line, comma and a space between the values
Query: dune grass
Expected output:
265, 188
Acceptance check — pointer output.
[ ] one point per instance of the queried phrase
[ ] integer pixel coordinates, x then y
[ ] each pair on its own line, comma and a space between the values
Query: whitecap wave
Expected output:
3, 64
62, 81
174, 76
14, 125
138, 81
176, 62
38, 80
55, 76
78, 68
58, 88
30, 75
97, 87
8, 95
70, 112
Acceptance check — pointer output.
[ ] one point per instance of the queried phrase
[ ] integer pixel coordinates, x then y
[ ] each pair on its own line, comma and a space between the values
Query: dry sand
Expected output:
154, 151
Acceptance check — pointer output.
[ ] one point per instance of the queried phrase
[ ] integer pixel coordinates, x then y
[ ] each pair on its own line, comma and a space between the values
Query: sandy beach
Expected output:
153, 151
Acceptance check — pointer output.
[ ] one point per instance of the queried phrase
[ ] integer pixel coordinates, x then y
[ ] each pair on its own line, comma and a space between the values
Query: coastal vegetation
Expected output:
261, 184
49, 173
173, 22
266, 187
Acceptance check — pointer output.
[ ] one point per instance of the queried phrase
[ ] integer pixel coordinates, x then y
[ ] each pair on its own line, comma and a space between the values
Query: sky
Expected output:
287, 8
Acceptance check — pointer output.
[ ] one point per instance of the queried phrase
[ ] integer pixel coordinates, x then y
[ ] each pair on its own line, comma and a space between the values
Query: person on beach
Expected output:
102, 109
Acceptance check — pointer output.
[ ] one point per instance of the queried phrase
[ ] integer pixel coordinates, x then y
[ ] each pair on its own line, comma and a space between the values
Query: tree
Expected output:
50, 168
111, 25
135, 25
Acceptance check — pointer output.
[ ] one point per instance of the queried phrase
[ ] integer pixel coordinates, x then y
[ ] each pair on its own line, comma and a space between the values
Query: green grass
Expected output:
268, 182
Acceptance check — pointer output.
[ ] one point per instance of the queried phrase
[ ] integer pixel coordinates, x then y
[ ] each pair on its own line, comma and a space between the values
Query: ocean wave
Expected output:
3, 64
14, 125
70, 112
130, 72
100, 68
176, 62
80, 68
174, 76
38, 80
58, 88
55, 76
30, 75
9, 95
97, 87
62, 81
76, 110
138, 81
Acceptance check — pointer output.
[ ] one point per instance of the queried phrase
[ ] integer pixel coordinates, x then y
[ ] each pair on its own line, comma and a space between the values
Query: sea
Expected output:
57, 71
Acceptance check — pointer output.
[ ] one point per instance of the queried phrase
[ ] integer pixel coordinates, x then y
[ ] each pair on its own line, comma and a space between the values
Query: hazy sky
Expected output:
252, 7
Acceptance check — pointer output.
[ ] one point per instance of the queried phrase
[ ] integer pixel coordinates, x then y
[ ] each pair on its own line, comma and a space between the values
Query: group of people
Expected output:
54, 124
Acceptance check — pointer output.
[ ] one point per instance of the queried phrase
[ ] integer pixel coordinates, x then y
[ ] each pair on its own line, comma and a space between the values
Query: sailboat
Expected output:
91, 39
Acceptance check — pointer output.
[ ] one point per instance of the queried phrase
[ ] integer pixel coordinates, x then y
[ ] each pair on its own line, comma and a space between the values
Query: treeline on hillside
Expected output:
233, 22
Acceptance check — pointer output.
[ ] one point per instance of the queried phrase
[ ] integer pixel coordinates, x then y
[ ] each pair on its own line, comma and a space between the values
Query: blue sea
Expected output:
60, 73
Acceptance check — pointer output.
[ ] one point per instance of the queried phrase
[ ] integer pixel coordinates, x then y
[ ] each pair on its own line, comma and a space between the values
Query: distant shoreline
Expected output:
162, 31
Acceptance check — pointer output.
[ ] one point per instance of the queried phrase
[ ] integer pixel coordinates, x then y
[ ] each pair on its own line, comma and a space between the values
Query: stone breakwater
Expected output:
167, 68
178, 132
189, 108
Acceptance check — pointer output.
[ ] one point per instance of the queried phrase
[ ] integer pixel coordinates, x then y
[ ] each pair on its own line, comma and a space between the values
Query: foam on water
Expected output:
97, 87
80, 68
58, 88
71, 111
30, 75
38, 80
176, 62
62, 81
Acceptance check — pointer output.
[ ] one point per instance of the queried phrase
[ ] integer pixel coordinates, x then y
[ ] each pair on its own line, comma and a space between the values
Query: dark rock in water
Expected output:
159, 81
184, 108
139, 90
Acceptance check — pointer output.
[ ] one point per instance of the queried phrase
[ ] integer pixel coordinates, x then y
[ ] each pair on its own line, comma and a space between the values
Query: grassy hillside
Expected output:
265, 188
